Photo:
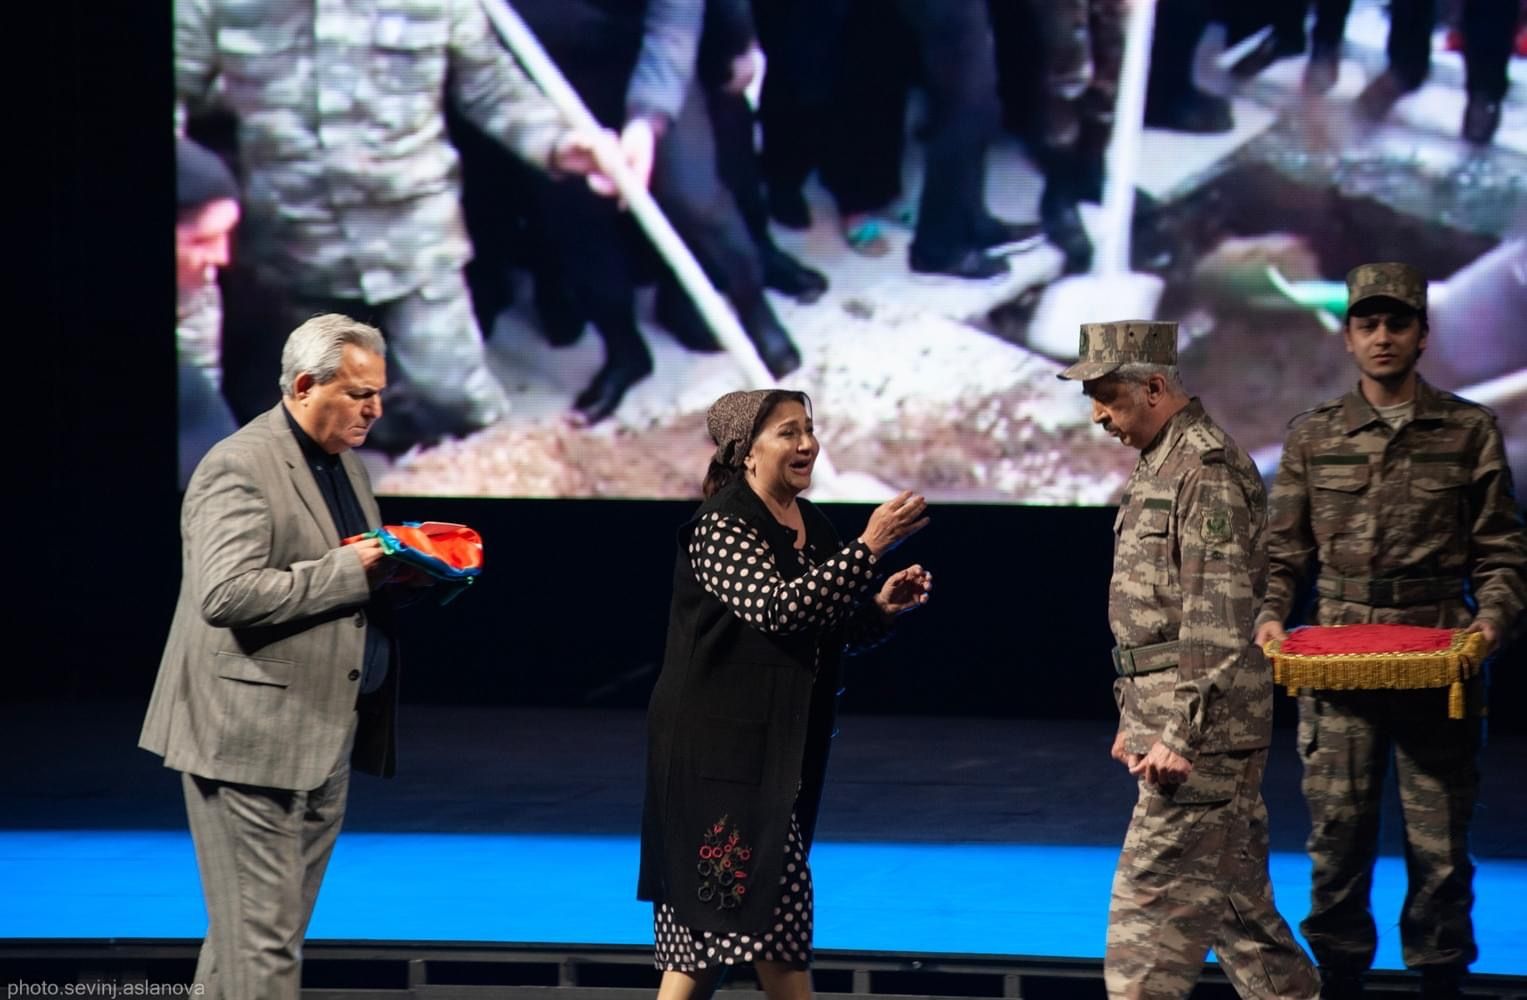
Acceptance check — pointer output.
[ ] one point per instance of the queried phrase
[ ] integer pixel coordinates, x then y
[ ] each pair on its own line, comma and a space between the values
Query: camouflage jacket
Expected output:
352, 188
1188, 566
1370, 511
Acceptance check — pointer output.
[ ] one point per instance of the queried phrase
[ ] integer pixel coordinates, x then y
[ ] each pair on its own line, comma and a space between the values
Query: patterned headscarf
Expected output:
730, 421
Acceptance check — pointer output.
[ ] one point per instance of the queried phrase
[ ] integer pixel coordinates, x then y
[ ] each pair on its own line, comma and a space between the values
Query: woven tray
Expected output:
1378, 657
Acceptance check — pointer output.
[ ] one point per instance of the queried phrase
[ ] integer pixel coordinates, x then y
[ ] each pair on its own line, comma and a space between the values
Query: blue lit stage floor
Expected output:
987, 899
958, 836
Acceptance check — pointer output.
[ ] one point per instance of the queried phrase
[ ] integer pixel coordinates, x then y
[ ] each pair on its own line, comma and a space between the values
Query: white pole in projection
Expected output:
718, 315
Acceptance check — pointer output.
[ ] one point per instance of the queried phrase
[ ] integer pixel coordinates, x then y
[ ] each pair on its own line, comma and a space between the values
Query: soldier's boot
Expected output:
1340, 984
1442, 982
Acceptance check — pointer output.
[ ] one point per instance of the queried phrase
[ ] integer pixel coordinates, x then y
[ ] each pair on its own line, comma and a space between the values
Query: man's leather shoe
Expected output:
772, 341
999, 236
785, 274
1480, 119
974, 264
603, 395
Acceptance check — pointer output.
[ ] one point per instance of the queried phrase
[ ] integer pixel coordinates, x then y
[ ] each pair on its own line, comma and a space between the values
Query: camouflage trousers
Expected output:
1193, 875
1346, 741
435, 350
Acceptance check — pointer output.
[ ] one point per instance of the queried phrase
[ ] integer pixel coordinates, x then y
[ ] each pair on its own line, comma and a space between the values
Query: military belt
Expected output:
1391, 592
1145, 659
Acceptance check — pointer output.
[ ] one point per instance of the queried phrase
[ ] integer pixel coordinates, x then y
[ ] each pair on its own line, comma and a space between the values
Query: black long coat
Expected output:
738, 732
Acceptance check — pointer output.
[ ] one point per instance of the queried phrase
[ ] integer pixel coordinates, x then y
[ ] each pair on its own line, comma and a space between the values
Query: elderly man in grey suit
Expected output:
280, 669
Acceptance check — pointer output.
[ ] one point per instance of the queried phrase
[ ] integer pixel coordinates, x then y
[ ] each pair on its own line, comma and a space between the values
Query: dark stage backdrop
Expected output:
572, 607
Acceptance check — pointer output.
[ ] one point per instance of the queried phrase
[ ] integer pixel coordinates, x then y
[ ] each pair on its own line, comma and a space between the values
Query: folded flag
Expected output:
450, 553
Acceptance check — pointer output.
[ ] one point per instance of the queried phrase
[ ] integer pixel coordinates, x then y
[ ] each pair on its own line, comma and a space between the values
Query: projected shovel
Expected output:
718, 316
1111, 291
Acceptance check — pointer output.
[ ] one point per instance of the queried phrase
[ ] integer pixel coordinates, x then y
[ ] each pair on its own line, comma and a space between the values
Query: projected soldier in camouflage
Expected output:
1396, 501
1195, 697
352, 191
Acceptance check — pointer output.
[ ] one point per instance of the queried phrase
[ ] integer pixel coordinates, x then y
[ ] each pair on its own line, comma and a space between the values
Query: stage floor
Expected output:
938, 836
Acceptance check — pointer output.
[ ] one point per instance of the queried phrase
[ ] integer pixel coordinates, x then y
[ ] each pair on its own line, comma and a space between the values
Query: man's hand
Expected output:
589, 155
1162, 766
1489, 631
1122, 755
374, 561
1268, 632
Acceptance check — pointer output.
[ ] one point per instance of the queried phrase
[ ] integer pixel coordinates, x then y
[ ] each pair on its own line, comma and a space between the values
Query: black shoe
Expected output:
772, 341
974, 264
1381, 94
603, 395
1268, 51
679, 317
1063, 227
1480, 119
785, 274
1340, 984
788, 208
1321, 71
1442, 982
998, 236
1196, 112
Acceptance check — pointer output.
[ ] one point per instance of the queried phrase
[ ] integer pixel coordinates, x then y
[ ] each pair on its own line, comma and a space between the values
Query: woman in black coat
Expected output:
766, 599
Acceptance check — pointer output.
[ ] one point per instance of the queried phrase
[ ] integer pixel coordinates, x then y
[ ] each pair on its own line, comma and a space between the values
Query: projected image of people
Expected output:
906, 208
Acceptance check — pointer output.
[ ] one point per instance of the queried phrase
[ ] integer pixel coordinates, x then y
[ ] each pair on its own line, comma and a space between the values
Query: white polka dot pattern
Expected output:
787, 938
736, 567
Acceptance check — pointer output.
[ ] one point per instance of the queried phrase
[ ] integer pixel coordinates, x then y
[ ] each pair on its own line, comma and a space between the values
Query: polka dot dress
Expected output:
738, 568
787, 938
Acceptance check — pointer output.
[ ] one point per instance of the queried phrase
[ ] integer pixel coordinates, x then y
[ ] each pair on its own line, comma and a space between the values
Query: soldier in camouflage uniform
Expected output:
1396, 502
352, 192
1194, 696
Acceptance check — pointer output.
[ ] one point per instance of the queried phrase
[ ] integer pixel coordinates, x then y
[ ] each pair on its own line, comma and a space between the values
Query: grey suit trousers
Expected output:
262, 853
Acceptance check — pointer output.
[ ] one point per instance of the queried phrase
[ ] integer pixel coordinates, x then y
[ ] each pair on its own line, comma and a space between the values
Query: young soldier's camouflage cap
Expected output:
1390, 280
1105, 347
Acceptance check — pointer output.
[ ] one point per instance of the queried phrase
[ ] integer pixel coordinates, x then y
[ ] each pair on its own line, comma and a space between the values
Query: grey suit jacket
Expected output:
260, 675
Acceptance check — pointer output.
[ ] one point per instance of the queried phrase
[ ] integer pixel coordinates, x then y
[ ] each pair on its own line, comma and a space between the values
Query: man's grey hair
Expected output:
1139, 374
318, 348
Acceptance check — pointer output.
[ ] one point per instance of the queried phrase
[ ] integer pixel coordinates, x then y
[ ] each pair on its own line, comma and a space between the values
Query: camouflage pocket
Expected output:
1182, 831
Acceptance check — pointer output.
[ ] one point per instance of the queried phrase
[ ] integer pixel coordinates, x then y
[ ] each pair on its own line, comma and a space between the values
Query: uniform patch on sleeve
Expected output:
1216, 525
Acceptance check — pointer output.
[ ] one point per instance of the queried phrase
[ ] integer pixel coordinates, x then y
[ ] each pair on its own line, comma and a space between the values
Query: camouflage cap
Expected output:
1391, 280
1105, 347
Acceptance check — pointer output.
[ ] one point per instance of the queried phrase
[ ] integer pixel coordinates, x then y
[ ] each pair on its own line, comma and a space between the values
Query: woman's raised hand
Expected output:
894, 521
